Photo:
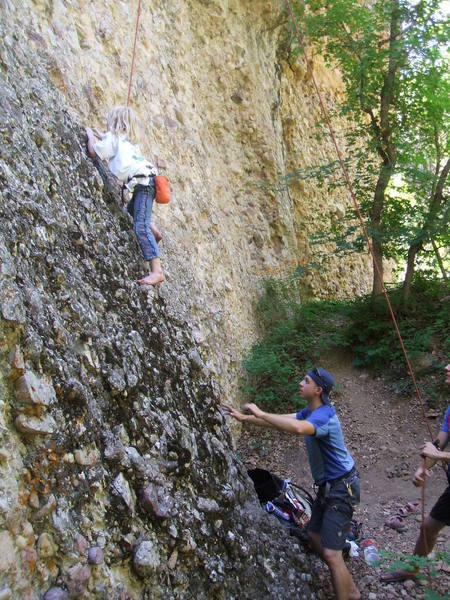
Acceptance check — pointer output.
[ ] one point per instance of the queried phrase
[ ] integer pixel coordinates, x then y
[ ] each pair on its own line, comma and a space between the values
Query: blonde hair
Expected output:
122, 120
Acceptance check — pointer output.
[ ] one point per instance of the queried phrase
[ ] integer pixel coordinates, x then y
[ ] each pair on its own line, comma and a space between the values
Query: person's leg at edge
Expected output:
343, 584
425, 542
315, 541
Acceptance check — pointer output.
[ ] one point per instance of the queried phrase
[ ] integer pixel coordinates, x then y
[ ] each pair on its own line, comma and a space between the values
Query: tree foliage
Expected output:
392, 57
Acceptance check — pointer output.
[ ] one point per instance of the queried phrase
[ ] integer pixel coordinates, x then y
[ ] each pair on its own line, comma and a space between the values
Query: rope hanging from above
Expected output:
130, 83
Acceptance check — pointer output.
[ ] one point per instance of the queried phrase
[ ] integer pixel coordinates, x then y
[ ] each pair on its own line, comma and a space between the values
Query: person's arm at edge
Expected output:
419, 475
429, 451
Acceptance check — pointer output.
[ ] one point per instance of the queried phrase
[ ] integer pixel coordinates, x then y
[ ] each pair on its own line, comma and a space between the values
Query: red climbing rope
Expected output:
134, 52
358, 211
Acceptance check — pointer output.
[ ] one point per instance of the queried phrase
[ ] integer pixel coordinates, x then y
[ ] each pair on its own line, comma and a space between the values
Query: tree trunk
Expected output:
385, 147
376, 214
410, 268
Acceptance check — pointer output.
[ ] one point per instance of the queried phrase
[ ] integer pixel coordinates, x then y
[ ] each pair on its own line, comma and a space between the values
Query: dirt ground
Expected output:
383, 432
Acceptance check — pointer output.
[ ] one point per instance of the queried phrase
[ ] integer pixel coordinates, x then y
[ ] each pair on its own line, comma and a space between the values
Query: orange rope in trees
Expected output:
134, 52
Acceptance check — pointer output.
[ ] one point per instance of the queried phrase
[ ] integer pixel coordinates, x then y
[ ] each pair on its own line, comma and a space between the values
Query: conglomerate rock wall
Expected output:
117, 476
229, 114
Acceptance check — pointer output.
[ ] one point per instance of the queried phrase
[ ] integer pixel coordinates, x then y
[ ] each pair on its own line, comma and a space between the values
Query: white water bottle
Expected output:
371, 554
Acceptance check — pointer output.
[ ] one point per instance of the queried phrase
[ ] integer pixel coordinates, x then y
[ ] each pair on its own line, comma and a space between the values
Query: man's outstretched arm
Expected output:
288, 423
255, 416
249, 418
252, 419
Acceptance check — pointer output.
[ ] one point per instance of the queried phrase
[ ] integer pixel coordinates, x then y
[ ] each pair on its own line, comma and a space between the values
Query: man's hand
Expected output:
252, 409
419, 476
229, 410
429, 450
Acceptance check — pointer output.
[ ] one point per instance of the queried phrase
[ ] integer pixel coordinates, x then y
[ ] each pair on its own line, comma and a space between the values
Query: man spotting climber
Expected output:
332, 467
439, 516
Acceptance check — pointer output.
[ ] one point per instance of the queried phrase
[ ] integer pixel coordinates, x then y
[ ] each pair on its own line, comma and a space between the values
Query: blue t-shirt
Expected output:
327, 454
446, 429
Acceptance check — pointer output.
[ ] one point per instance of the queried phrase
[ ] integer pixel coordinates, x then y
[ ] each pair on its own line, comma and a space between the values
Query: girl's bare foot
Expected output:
152, 279
156, 232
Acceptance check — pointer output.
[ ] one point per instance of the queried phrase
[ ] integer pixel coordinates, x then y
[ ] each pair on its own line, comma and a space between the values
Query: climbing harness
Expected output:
130, 83
363, 225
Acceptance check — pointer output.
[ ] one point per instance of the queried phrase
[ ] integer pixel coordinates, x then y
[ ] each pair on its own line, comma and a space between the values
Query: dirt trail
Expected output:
383, 433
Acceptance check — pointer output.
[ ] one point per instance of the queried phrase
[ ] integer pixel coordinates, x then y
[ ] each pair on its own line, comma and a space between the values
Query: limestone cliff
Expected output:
116, 473
229, 114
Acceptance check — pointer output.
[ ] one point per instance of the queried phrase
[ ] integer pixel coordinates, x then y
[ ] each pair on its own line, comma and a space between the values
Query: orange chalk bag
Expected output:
162, 189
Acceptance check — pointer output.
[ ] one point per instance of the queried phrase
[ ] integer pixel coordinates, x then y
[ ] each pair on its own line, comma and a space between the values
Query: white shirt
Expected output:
125, 159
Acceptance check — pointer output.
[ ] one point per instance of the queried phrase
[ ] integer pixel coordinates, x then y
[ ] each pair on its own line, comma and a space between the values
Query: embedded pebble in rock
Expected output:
146, 559
35, 425
78, 578
21, 542
208, 505
172, 562
84, 457
155, 499
33, 390
5, 593
81, 545
56, 593
121, 487
7, 551
95, 555
46, 546
33, 499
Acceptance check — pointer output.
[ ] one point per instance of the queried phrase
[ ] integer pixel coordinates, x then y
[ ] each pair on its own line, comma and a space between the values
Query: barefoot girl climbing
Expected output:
137, 174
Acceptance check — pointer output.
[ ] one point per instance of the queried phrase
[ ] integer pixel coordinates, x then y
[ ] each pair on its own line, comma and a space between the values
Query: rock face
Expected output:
230, 116
117, 477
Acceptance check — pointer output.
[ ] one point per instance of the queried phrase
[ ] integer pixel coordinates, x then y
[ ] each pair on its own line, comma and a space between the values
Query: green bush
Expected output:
294, 336
428, 567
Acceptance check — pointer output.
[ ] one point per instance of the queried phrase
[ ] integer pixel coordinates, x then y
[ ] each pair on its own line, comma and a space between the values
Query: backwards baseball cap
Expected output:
323, 379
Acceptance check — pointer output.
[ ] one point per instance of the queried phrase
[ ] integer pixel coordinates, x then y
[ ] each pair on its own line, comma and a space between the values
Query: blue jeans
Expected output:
141, 204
